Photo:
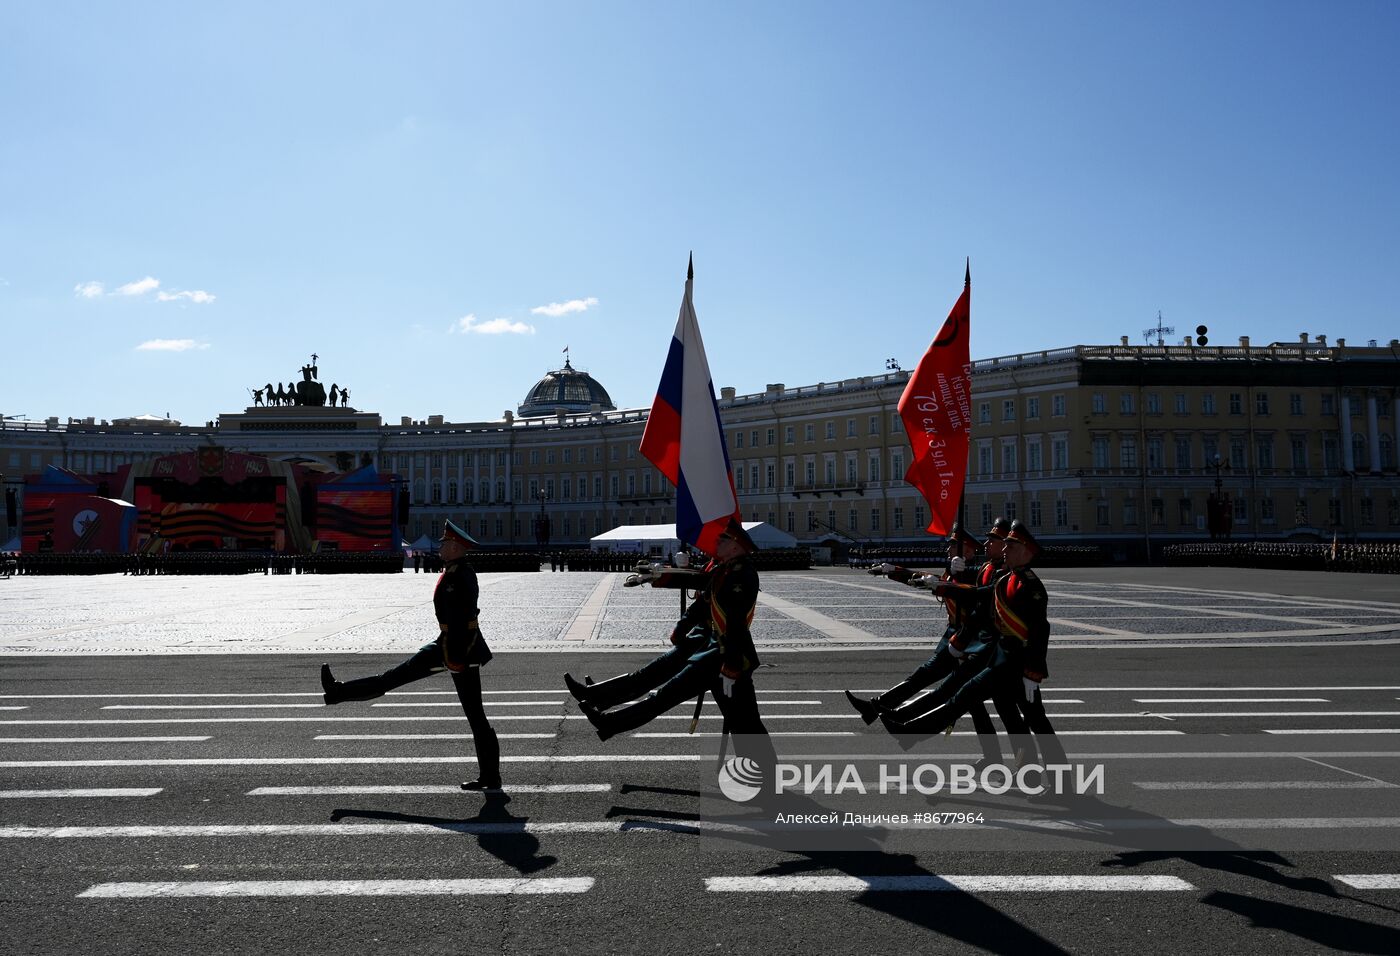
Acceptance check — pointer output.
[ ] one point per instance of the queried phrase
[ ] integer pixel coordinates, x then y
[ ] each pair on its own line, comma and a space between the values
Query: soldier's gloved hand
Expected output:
1031, 687
727, 677
957, 652
957, 565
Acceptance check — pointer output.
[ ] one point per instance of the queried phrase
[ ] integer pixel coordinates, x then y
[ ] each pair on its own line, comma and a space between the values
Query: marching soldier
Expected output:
726, 663
1023, 629
458, 648
964, 644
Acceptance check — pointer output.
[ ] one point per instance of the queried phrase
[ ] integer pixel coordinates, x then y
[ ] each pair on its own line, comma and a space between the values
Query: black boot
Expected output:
330, 686
580, 691
868, 709
597, 718
488, 762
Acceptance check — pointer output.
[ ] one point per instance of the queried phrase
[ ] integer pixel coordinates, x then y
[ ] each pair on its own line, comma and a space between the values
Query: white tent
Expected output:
424, 543
661, 538
11, 545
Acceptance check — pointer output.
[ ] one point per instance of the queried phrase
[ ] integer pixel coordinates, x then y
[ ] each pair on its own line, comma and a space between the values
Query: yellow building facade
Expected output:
1119, 446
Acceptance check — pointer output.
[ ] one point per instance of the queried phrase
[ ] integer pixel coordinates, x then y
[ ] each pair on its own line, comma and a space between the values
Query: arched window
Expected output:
468, 489
1359, 461
437, 492
1387, 451
452, 490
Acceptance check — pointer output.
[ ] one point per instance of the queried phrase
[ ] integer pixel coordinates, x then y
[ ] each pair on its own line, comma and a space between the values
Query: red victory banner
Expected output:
936, 409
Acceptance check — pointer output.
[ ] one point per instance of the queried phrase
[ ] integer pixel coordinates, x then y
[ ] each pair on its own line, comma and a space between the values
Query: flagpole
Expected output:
962, 496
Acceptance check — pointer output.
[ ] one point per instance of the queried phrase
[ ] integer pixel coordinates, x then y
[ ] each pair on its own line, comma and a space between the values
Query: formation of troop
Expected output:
994, 647
712, 651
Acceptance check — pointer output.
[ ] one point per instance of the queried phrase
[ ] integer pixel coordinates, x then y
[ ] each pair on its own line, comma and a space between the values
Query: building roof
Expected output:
565, 388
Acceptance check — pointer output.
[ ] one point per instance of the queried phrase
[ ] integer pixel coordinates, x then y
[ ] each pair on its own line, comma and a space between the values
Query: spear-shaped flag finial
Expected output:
690, 267
967, 277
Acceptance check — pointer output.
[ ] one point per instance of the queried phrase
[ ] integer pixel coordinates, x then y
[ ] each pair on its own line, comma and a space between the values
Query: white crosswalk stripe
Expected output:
244, 888
89, 792
1370, 881
943, 884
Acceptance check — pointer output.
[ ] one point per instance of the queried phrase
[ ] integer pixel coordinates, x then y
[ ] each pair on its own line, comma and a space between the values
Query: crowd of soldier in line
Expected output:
1372, 558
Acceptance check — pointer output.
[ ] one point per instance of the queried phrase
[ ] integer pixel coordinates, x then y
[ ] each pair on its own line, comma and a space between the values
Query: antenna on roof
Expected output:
1160, 330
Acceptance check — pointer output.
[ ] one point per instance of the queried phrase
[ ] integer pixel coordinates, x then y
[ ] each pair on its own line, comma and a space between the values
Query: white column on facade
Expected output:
1373, 431
1344, 415
491, 474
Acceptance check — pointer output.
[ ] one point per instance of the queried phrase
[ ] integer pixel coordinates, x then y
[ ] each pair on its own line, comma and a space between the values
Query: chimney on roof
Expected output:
1124, 340
726, 393
1302, 338
405, 421
1244, 341
1322, 340
1341, 343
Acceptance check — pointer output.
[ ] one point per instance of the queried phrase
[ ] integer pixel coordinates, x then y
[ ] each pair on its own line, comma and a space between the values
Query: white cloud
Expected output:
197, 295
469, 323
171, 345
140, 287
556, 309
88, 290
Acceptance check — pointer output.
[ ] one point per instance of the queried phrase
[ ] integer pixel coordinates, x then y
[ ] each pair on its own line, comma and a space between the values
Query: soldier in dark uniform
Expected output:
726, 663
459, 647
963, 642
689, 636
1019, 610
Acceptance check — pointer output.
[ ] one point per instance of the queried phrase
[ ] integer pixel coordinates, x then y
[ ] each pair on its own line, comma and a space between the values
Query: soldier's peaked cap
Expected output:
961, 535
450, 532
736, 531
1022, 535
999, 529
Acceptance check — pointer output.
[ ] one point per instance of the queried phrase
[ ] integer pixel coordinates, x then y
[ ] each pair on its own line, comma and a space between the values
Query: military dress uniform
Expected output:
724, 665
689, 636
458, 648
1022, 633
959, 645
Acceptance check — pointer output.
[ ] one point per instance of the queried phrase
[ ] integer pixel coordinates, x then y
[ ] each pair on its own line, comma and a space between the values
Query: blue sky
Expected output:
405, 189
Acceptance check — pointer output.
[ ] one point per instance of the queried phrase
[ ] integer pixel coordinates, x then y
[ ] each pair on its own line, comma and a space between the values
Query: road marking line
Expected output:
434, 788
25, 707
453, 703
1097, 628
243, 888
1360, 730
943, 884
682, 734
828, 627
528, 827
1265, 785
429, 736
333, 761
90, 792
1230, 700
1352, 773
1370, 881
589, 618
204, 706
97, 740
316, 694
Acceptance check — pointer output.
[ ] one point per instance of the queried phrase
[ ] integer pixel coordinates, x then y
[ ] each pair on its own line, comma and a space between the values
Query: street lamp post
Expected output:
542, 522
1219, 515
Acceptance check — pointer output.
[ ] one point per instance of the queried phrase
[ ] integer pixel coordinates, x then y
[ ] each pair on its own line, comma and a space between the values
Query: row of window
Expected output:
1237, 455
1152, 404
742, 438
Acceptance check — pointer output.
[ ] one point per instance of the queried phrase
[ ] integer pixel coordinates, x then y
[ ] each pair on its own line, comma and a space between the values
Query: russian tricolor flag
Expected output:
684, 438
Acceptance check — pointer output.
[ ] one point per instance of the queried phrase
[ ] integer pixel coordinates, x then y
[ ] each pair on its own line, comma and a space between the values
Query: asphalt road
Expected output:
614, 859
